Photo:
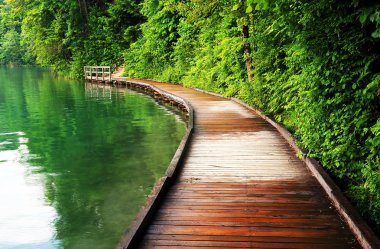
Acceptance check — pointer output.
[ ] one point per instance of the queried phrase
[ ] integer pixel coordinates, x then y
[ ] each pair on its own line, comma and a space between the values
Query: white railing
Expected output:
98, 73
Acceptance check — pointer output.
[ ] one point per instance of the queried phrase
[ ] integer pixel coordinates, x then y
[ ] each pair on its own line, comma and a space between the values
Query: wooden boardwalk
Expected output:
242, 186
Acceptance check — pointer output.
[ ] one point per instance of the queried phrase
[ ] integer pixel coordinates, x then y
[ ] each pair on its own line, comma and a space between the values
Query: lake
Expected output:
77, 160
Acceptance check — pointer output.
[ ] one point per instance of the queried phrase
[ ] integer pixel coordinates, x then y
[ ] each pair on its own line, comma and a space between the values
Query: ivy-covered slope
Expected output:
316, 69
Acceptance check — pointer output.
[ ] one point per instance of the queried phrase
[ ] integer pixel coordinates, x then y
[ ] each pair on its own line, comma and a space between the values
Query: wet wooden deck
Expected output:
242, 186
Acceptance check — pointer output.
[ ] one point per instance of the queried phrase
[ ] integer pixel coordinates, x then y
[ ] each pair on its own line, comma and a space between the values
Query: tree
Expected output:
11, 50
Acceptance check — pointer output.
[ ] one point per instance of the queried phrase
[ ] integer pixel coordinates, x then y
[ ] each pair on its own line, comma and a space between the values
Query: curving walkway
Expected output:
241, 186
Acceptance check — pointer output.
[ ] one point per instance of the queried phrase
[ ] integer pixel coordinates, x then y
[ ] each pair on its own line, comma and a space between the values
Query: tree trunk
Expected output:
247, 51
83, 9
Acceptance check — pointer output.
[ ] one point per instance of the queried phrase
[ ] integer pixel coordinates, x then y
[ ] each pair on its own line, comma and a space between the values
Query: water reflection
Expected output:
99, 90
87, 157
25, 219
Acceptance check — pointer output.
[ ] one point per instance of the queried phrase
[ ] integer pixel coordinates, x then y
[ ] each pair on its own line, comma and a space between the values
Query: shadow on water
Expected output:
76, 160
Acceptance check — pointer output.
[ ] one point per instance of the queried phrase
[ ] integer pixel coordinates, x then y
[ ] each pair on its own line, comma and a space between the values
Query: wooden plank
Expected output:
244, 231
222, 244
283, 240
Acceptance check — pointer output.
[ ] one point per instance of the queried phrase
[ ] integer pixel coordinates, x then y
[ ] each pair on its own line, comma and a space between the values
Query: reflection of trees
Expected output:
99, 158
12, 112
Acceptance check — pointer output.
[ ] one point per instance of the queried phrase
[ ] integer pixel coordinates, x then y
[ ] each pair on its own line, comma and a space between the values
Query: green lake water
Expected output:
77, 160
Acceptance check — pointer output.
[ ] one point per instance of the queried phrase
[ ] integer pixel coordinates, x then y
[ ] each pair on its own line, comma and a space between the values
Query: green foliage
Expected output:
371, 15
150, 56
194, 42
70, 34
317, 72
11, 50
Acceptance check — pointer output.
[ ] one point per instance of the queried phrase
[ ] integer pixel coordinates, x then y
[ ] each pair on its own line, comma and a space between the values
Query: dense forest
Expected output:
312, 65
65, 35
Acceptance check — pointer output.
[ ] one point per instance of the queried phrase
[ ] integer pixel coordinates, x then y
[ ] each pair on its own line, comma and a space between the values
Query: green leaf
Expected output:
376, 33
376, 141
235, 7
249, 9
363, 17
373, 84
262, 4
376, 128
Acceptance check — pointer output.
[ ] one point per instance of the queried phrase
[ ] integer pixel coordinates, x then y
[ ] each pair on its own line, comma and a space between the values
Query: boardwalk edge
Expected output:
135, 231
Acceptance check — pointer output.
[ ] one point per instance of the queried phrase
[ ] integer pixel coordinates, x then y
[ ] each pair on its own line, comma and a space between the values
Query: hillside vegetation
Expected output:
313, 65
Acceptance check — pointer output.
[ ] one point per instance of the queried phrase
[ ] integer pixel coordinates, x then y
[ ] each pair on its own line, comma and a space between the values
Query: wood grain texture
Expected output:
242, 186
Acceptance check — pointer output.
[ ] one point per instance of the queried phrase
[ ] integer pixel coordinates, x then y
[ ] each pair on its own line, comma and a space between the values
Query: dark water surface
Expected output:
76, 160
